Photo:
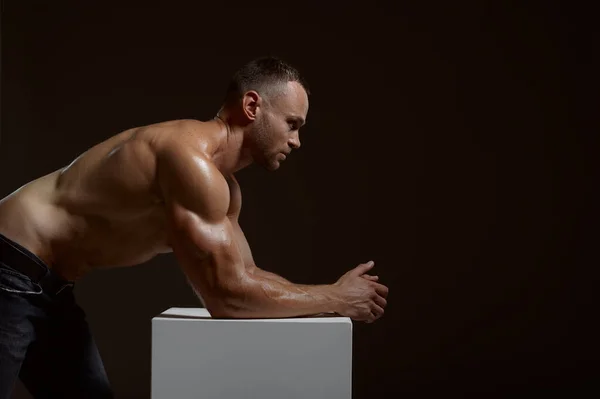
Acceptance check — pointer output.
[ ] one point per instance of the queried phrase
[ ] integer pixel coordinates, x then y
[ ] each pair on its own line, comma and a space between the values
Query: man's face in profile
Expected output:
275, 132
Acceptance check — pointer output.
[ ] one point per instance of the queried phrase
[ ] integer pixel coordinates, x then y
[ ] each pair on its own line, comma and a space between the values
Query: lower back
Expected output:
103, 210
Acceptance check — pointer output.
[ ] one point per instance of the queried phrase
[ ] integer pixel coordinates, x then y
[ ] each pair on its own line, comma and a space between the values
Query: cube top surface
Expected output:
203, 314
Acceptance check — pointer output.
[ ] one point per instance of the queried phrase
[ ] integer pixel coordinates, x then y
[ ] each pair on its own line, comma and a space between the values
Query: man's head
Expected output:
270, 99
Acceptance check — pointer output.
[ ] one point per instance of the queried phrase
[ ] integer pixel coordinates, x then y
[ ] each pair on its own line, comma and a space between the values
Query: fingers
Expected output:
380, 301
363, 268
376, 309
376, 313
380, 289
370, 278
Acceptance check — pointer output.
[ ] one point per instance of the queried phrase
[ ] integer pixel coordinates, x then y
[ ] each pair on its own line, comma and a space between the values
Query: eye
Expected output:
292, 125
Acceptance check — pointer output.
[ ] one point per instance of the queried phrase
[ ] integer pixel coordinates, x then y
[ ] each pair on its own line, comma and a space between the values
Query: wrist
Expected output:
334, 298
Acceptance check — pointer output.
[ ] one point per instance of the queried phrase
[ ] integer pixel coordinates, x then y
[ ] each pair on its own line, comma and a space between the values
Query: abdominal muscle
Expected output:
103, 210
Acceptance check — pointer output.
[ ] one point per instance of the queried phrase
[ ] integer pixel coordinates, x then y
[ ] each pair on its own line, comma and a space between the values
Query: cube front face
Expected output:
218, 359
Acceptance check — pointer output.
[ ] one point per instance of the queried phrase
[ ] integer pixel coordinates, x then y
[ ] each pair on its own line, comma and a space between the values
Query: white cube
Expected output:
195, 356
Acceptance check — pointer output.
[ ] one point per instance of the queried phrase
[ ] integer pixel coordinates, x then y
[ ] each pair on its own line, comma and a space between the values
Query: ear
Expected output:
250, 104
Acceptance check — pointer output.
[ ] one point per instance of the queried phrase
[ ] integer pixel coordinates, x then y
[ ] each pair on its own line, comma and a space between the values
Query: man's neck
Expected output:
229, 153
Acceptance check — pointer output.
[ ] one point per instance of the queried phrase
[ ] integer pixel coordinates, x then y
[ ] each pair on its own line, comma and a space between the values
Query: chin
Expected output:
270, 165
274, 166
273, 163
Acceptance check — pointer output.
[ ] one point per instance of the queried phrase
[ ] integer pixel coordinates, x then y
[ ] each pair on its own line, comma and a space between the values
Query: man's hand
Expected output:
361, 297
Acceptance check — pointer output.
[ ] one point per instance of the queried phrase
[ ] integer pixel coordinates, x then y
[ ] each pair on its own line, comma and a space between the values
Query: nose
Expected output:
294, 141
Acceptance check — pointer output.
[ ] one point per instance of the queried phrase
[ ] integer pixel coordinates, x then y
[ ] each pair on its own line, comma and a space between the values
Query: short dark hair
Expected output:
262, 74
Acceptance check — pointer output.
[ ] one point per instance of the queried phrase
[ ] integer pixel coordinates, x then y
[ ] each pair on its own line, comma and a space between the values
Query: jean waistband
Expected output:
21, 259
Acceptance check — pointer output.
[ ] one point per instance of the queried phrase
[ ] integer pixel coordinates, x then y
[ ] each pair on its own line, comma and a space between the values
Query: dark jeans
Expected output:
44, 337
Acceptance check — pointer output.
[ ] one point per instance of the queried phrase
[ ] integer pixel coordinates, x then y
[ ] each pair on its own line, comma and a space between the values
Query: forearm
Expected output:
261, 297
268, 275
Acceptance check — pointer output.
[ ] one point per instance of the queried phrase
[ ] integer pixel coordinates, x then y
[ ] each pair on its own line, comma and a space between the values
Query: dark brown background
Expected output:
440, 143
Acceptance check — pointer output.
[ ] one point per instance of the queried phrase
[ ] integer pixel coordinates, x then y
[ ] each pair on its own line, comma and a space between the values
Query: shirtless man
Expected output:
149, 190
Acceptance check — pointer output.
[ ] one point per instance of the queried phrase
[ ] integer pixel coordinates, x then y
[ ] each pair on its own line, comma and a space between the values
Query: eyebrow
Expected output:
298, 119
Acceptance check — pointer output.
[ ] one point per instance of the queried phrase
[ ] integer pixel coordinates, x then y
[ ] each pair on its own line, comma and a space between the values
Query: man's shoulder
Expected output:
191, 163
176, 131
187, 172
175, 124
184, 145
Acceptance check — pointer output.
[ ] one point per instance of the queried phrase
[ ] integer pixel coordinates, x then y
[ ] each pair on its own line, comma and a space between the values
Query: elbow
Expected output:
228, 304
222, 313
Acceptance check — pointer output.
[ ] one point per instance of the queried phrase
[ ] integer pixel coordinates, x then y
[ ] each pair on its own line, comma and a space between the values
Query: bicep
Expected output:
244, 247
199, 231
208, 254
235, 208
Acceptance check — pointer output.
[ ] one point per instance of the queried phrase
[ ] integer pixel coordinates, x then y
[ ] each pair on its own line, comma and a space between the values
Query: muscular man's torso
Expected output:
103, 210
